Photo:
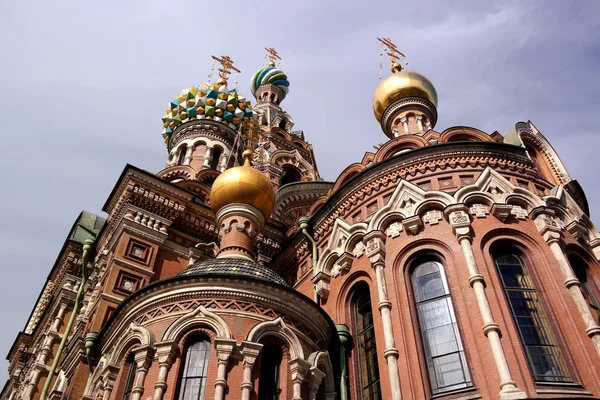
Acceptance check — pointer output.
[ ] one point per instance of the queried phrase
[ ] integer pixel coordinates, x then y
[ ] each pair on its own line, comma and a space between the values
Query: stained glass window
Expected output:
446, 362
193, 379
543, 353
366, 347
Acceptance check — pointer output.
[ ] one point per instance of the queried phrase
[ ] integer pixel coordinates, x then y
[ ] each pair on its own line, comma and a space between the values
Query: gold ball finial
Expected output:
221, 82
271, 64
247, 156
396, 67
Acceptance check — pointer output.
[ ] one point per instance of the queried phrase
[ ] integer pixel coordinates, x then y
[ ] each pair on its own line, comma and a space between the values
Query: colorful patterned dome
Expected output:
238, 267
270, 75
215, 102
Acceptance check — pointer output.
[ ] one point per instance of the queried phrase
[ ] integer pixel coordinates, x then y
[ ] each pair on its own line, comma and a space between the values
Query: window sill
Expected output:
560, 388
455, 394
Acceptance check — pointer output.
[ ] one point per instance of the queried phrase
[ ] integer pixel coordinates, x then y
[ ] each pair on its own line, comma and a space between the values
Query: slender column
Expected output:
107, 385
316, 377
404, 122
59, 317
420, 123
461, 225
143, 359
546, 223
250, 352
375, 251
224, 349
188, 155
298, 368
207, 155
166, 353
223, 162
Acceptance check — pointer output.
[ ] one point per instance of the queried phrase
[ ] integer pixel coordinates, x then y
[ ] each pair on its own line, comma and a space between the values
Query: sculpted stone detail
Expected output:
394, 230
359, 249
479, 210
519, 212
432, 217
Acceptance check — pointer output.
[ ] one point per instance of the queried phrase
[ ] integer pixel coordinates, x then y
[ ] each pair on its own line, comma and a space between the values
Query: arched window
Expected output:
446, 362
131, 372
193, 378
216, 157
364, 334
541, 346
290, 175
588, 286
270, 364
182, 152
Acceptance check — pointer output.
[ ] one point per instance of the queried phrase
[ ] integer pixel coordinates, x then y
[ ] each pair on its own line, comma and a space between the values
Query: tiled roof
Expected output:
234, 266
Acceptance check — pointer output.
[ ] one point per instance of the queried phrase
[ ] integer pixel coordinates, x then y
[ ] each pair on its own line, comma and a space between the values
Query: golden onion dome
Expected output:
243, 185
399, 85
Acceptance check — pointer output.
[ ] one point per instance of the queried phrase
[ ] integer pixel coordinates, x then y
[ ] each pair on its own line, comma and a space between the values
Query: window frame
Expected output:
544, 307
183, 378
130, 378
593, 292
416, 320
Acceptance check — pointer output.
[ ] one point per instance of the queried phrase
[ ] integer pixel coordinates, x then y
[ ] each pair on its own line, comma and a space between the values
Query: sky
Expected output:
83, 86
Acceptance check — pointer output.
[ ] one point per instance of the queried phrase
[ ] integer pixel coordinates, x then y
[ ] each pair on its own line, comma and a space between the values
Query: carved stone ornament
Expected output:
479, 210
412, 225
342, 264
432, 217
519, 212
394, 230
501, 211
321, 281
358, 249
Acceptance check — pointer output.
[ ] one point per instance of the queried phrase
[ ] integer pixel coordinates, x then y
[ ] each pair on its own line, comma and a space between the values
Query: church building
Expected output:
450, 263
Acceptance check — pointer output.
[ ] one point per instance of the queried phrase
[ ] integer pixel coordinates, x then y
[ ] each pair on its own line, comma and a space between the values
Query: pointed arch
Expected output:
408, 200
198, 317
279, 329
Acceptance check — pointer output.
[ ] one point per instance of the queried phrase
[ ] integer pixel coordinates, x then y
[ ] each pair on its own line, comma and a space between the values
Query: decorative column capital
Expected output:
578, 231
299, 369
546, 224
143, 356
166, 352
458, 217
316, 377
224, 348
375, 247
250, 352
501, 211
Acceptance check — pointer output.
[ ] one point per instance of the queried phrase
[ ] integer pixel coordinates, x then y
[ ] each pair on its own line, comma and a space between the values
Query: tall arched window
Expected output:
541, 346
588, 286
193, 378
182, 153
290, 175
446, 362
270, 364
131, 372
216, 158
364, 334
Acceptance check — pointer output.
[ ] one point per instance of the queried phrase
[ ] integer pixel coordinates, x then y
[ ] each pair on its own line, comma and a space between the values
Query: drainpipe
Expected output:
87, 249
345, 340
303, 223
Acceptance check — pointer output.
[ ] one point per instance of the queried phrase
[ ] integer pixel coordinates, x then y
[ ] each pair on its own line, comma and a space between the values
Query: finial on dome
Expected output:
226, 68
396, 56
272, 55
270, 75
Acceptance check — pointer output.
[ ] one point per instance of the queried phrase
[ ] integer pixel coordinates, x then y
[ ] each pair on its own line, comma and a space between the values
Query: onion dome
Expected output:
235, 267
245, 185
270, 75
402, 84
214, 102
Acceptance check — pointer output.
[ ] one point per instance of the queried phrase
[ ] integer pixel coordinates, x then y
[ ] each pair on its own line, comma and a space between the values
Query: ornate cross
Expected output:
396, 56
479, 210
226, 66
272, 55
394, 230
432, 217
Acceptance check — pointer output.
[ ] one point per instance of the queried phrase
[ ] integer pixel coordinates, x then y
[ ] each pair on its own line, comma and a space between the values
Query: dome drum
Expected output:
412, 104
201, 128
269, 93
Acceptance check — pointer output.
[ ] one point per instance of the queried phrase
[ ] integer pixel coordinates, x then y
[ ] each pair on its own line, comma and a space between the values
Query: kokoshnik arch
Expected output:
450, 264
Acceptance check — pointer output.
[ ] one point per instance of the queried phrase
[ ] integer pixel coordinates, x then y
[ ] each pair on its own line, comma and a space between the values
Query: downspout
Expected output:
87, 249
90, 351
303, 224
345, 341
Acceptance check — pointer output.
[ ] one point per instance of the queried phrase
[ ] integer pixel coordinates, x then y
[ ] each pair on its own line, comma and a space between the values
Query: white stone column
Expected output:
223, 162
188, 155
375, 251
546, 223
461, 225
165, 352
207, 155
224, 349
108, 382
250, 352
59, 317
420, 123
143, 360
404, 122
298, 369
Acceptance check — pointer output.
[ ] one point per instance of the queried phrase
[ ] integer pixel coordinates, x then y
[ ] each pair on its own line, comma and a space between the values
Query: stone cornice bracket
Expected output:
501, 211
458, 217
375, 247
578, 231
546, 224
166, 352
412, 225
321, 281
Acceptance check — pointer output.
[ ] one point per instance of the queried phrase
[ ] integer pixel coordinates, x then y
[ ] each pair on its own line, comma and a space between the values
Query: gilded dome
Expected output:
243, 185
399, 85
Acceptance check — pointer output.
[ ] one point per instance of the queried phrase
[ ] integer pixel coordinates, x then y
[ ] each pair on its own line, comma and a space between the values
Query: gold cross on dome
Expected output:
273, 55
395, 55
252, 133
226, 66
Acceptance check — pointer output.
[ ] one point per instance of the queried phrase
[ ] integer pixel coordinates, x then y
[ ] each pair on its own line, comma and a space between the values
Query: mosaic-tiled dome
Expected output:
236, 267
214, 102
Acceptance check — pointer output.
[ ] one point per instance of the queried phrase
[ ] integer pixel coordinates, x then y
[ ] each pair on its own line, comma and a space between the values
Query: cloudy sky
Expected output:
83, 86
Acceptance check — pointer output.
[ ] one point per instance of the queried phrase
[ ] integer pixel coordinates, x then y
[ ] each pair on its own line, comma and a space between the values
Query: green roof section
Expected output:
87, 226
